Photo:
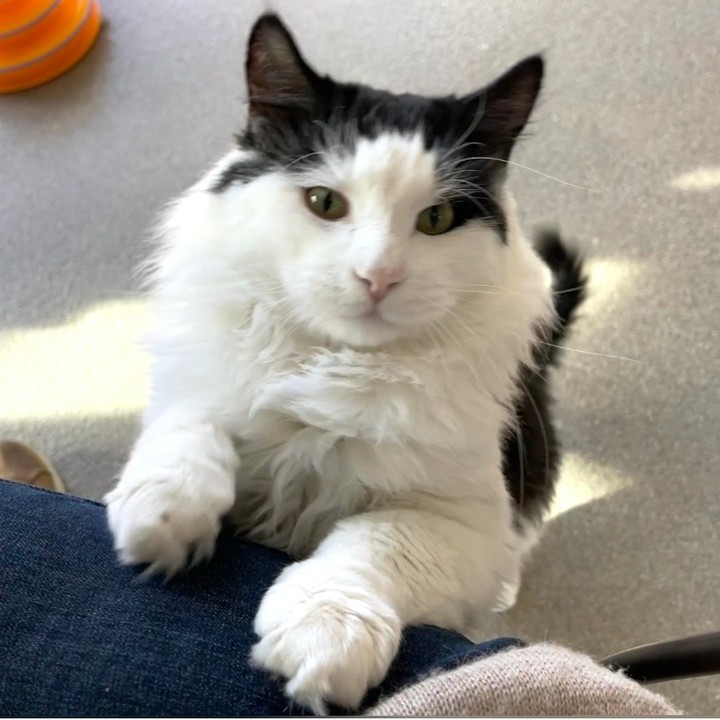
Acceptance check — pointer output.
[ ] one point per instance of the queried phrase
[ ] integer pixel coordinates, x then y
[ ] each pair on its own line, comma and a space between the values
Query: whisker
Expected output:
533, 340
591, 352
482, 104
303, 157
543, 430
456, 180
431, 334
581, 351
528, 168
503, 291
521, 460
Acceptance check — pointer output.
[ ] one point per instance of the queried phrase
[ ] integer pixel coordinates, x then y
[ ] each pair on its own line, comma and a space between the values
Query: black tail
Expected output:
569, 285
532, 451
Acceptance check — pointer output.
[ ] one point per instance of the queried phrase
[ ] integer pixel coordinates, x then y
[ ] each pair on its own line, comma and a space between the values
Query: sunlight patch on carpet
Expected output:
582, 481
90, 366
700, 180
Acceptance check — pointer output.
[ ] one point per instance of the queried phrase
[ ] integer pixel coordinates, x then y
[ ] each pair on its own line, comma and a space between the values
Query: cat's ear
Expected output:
499, 112
279, 81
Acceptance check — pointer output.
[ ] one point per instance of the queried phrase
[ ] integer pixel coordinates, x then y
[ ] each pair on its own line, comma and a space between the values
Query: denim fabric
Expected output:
80, 636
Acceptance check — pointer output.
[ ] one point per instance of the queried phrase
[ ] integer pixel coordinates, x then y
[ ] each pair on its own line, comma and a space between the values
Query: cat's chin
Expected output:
366, 330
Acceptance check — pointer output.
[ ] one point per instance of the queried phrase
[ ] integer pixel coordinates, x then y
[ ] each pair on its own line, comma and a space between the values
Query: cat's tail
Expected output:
569, 286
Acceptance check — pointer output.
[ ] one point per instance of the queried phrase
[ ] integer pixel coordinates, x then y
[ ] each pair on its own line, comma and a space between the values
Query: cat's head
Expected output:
378, 210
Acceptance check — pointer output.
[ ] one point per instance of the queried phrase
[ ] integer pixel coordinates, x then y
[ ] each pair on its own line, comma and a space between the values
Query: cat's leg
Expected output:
331, 624
174, 490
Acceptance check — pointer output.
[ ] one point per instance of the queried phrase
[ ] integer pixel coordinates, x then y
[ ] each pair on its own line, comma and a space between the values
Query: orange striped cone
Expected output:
41, 39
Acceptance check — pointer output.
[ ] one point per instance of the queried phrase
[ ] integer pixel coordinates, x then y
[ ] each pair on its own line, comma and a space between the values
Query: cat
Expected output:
350, 339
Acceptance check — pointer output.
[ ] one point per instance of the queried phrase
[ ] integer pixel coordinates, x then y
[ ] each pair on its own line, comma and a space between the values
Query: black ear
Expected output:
499, 112
279, 80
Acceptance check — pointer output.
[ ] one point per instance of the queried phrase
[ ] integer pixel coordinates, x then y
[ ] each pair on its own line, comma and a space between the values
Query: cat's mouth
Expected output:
371, 314
369, 326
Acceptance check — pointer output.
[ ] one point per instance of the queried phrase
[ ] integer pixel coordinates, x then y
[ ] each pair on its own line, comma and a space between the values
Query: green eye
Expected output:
326, 203
436, 219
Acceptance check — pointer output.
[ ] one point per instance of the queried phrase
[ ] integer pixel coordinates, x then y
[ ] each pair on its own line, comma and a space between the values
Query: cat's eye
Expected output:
436, 219
326, 203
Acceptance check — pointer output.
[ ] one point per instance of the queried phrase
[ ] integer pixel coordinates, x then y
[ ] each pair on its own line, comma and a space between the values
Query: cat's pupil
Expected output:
327, 202
434, 216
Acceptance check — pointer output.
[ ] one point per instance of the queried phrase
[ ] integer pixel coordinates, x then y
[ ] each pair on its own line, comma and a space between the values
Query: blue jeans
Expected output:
80, 635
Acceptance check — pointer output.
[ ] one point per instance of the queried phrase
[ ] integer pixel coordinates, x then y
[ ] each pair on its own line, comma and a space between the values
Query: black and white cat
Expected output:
350, 335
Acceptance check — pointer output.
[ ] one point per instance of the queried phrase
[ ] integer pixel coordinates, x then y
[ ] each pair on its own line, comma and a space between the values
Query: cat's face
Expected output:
379, 211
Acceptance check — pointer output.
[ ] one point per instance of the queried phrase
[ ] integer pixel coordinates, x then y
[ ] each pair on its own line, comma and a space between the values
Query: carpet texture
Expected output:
630, 114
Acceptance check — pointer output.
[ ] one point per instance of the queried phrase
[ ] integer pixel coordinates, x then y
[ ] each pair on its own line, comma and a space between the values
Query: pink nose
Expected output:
378, 283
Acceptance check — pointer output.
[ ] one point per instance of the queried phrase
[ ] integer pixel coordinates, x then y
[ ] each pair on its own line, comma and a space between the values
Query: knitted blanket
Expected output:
542, 679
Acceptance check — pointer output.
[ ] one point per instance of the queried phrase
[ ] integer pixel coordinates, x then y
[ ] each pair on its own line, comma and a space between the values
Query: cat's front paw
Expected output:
160, 522
330, 639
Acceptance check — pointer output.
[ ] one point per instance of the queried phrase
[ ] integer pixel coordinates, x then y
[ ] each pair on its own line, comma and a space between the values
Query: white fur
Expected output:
368, 444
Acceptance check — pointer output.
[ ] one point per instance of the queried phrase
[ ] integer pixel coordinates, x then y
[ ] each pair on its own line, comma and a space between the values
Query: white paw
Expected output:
330, 639
158, 522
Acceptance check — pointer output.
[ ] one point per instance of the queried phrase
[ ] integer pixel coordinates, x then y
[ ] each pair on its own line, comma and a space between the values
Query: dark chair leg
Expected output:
671, 660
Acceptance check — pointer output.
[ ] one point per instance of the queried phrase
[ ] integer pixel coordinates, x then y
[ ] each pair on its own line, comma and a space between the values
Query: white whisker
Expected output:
533, 340
529, 169
543, 430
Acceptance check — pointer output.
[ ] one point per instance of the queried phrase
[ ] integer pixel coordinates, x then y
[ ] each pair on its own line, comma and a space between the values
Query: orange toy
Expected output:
41, 39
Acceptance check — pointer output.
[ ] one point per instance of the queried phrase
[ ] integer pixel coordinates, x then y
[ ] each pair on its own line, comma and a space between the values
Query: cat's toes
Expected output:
157, 524
330, 641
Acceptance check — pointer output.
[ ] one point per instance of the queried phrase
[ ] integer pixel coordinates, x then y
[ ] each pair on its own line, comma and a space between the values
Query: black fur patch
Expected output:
531, 452
296, 114
242, 172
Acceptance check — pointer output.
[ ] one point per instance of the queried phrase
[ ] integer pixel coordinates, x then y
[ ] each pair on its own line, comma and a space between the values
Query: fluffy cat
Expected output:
350, 335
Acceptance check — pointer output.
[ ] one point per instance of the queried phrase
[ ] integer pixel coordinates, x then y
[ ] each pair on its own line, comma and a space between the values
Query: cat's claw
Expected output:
156, 525
330, 640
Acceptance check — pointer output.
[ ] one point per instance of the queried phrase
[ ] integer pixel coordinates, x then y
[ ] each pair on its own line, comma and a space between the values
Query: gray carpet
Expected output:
630, 113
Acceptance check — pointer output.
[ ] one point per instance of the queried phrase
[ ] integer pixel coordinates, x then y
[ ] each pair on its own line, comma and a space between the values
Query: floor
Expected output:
624, 156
